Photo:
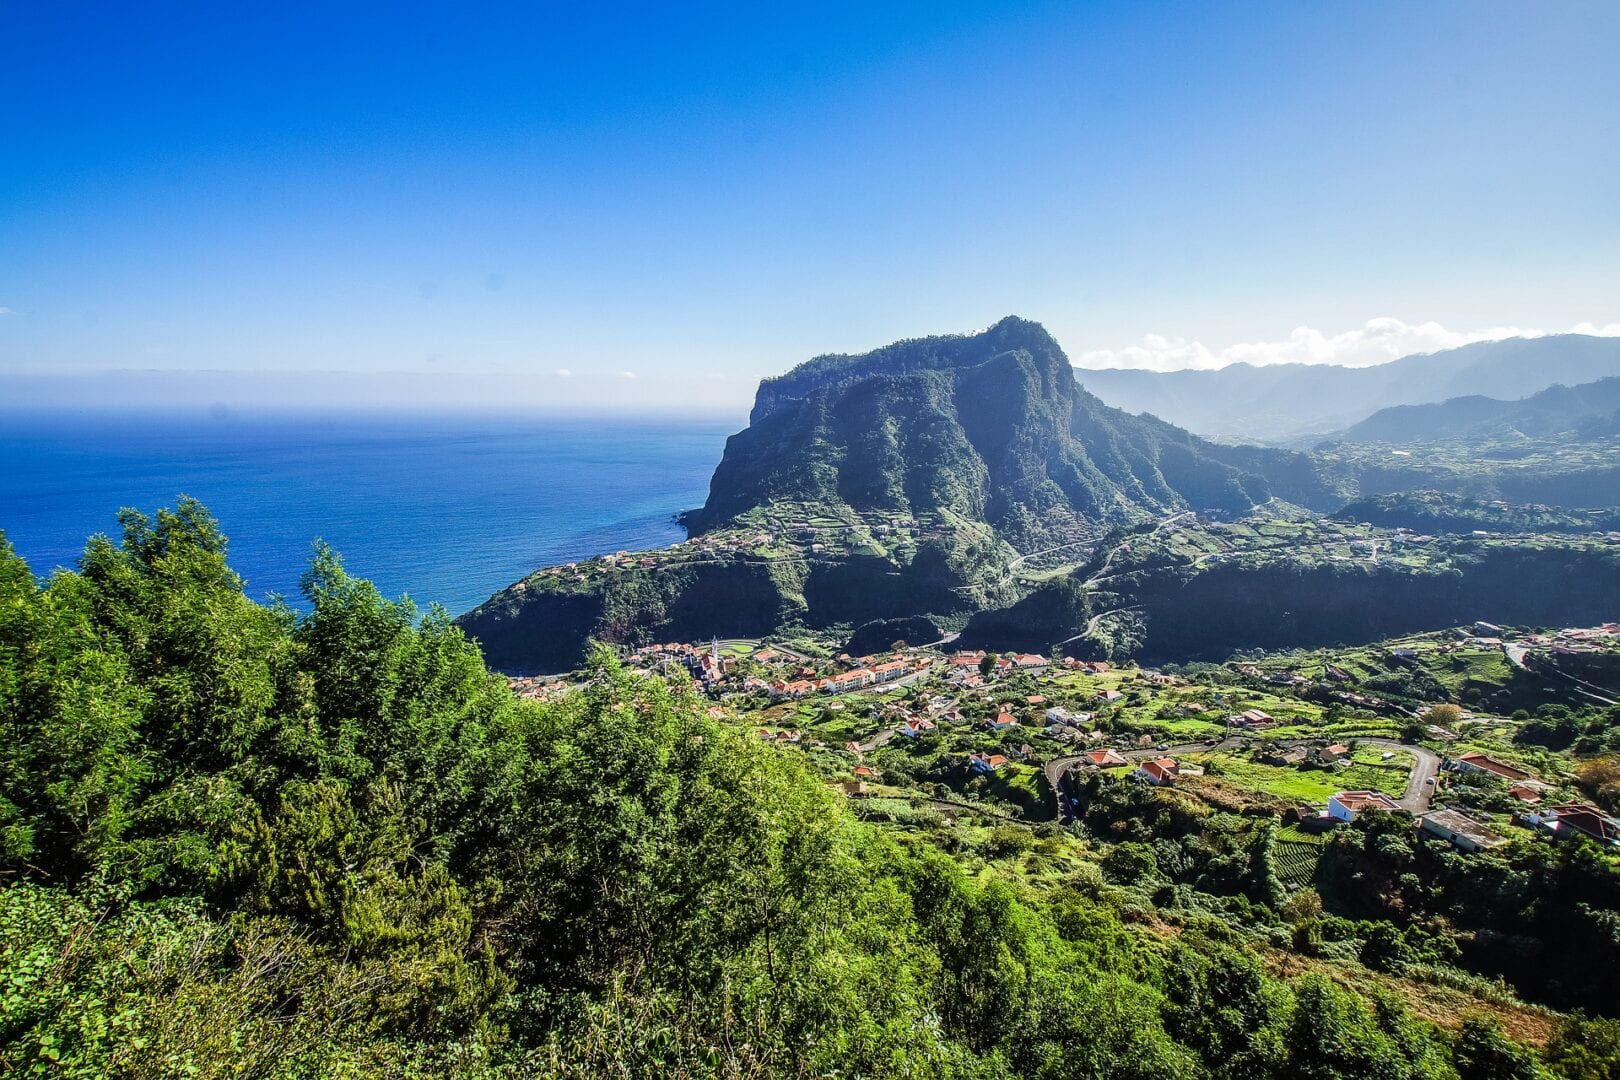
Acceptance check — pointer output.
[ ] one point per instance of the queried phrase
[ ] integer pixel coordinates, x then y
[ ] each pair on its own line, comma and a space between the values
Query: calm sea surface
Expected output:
446, 508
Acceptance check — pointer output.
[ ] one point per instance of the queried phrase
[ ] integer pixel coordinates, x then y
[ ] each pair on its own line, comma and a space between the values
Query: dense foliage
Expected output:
244, 840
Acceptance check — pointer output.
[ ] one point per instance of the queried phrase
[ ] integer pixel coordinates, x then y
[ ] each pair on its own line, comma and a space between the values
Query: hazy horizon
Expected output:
644, 208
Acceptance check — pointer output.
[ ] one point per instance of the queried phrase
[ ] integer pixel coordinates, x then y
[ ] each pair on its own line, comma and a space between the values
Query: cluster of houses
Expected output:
1570, 821
869, 674
1576, 639
538, 689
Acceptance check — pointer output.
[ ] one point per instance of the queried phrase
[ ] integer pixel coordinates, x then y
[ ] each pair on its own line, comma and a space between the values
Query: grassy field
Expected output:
1302, 785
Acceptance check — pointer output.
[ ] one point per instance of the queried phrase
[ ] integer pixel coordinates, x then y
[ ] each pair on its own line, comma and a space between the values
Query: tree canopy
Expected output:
239, 839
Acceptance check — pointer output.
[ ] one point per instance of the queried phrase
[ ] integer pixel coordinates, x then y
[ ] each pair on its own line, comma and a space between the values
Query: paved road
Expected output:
1517, 652
1415, 800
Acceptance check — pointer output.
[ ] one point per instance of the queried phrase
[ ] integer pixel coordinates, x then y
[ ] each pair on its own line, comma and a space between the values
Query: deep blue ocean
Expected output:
447, 508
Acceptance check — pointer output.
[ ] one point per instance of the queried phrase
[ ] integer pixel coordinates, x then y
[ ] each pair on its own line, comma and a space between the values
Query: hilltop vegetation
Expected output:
1206, 591
238, 840
1443, 512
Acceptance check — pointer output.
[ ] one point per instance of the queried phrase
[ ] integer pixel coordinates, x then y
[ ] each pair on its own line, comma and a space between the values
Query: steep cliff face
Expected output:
1182, 612
538, 626
991, 427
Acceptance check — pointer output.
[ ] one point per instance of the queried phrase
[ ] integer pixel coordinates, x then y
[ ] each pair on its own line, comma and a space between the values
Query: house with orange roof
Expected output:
985, 763
1475, 762
1157, 771
1104, 759
1004, 721
1349, 805
890, 671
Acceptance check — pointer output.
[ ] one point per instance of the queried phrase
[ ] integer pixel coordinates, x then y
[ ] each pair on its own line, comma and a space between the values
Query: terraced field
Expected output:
1296, 856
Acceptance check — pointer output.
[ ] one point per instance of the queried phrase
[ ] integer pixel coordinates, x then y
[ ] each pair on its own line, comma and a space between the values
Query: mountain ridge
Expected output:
990, 426
1291, 403
1587, 410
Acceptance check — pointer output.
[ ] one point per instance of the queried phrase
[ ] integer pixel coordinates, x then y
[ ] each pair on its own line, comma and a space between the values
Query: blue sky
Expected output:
668, 203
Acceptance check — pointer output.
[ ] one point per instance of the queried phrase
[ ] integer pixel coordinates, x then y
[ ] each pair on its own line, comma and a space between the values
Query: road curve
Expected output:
1415, 800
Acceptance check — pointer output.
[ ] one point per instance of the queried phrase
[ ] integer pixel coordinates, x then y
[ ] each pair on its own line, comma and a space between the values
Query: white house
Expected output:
1349, 805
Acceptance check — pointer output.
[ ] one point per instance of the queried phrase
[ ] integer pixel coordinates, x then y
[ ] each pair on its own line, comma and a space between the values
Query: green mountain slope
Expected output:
1168, 598
913, 480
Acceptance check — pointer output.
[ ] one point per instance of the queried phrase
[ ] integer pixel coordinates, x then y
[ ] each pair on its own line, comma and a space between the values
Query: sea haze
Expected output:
447, 508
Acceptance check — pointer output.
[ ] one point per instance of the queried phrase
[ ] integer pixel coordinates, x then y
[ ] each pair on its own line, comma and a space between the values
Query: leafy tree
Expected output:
1483, 1052
1586, 1048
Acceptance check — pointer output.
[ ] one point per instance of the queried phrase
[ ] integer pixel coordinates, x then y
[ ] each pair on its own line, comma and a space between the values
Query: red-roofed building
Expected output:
1349, 805
1158, 771
1005, 721
1477, 762
1105, 758
1580, 819
891, 670
985, 763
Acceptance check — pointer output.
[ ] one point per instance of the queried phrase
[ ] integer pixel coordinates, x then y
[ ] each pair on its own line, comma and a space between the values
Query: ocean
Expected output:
446, 508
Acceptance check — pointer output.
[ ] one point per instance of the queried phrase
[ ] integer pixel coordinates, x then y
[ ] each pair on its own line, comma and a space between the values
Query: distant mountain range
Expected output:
1294, 404
1587, 411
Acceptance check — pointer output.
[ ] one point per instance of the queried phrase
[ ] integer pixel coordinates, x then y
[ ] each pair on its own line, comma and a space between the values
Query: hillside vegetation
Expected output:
238, 840
991, 427
915, 480
1208, 591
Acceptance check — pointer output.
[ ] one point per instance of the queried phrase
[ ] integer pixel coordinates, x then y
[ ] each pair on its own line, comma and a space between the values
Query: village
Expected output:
1313, 740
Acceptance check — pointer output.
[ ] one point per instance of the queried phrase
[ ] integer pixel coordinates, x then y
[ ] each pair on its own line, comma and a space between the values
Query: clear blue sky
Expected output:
703, 194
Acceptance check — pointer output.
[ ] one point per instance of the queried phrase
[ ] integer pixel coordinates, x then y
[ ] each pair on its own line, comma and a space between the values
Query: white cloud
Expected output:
627, 375
563, 373
4, 311
1378, 342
